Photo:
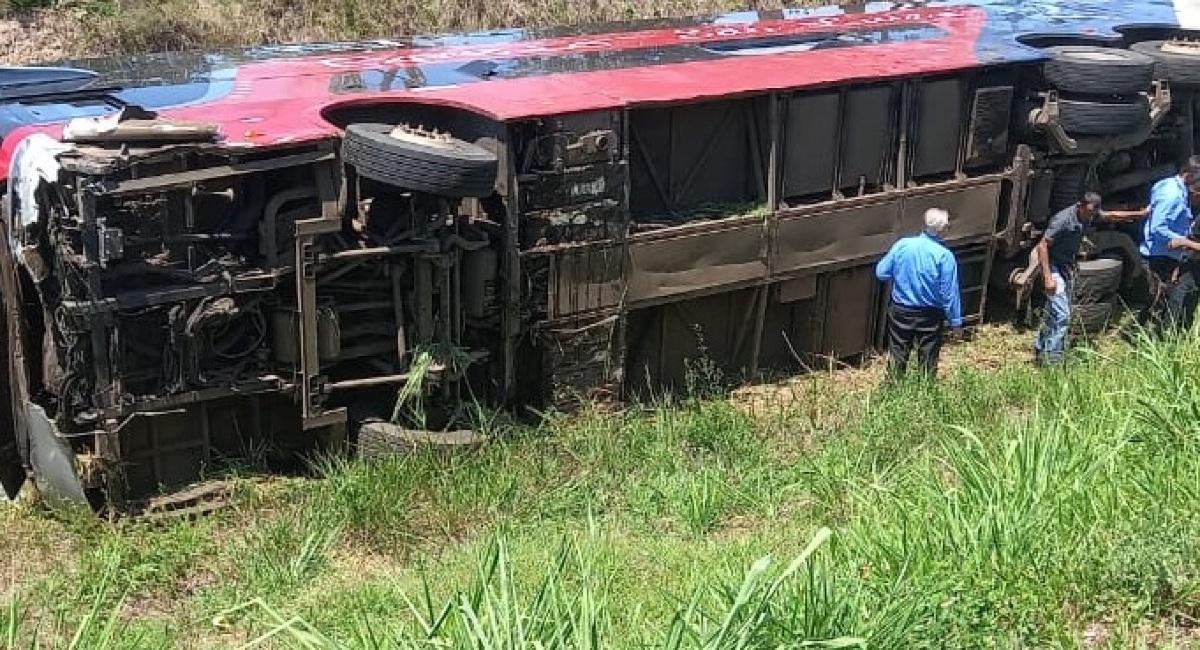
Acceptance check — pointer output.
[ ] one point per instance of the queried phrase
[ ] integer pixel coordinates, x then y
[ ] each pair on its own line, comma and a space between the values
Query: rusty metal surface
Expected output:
835, 236
622, 244
584, 359
587, 278
186, 179
686, 259
702, 256
973, 209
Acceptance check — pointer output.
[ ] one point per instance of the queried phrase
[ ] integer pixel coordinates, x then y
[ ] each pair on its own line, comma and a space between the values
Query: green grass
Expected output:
1008, 508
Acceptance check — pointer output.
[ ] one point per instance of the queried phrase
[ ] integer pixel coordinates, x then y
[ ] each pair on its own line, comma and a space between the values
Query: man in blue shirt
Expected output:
1164, 244
1056, 255
924, 277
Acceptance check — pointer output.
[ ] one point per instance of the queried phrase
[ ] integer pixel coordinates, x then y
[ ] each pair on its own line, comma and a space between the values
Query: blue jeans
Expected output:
1051, 343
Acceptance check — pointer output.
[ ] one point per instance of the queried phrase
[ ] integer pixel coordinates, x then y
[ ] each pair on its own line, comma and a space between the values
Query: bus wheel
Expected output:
419, 160
1089, 319
1099, 70
1109, 117
1178, 61
1098, 280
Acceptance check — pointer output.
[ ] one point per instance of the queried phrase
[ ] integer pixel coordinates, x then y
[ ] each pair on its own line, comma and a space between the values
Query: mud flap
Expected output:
51, 460
12, 474
12, 470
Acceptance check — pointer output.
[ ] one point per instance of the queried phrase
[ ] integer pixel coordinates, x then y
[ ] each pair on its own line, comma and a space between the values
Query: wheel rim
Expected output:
419, 135
1182, 47
1097, 56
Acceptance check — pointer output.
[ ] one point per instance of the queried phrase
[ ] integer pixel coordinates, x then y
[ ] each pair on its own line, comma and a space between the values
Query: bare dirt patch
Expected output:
824, 396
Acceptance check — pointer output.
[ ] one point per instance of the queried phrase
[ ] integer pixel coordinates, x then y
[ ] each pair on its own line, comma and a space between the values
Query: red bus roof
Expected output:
271, 96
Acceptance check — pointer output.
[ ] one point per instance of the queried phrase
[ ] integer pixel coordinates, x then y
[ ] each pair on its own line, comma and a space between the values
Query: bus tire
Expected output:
1092, 318
1093, 70
1178, 68
1098, 280
1111, 117
1070, 182
419, 161
1117, 245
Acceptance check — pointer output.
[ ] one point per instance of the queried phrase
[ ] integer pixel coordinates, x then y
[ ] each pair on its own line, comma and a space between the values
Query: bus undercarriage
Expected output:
173, 306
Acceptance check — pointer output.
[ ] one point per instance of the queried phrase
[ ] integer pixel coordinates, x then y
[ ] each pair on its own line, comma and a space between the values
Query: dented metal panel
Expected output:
694, 258
837, 235
973, 209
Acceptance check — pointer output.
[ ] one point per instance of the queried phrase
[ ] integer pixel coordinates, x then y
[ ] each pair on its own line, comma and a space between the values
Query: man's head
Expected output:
1190, 171
1089, 206
936, 221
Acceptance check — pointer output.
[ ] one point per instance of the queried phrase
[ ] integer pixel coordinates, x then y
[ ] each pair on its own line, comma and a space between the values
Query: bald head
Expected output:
936, 221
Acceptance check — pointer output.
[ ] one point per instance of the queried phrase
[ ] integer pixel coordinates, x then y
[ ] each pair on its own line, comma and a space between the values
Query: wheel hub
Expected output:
1098, 56
1183, 46
419, 134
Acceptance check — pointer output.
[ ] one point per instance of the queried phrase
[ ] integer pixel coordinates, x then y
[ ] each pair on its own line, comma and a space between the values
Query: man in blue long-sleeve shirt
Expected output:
1164, 244
924, 277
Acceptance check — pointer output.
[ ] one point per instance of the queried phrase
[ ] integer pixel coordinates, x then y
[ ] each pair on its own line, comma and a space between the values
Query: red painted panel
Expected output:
281, 101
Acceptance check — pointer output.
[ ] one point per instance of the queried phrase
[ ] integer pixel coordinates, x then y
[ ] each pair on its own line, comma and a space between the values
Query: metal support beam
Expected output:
182, 180
774, 182
906, 102
1020, 175
380, 251
511, 318
423, 298
311, 381
396, 274
104, 388
759, 321
306, 303
774, 146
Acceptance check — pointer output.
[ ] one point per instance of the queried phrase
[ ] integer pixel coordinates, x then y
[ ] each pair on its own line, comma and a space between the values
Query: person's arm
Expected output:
1160, 228
885, 270
1124, 216
951, 296
1043, 253
1179, 243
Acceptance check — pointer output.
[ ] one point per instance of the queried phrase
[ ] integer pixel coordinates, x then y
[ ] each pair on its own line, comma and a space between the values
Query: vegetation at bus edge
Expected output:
1004, 507
53, 29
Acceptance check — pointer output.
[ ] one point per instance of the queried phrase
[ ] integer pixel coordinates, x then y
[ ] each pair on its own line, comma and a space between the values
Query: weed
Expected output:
286, 553
1019, 508
702, 501
427, 361
703, 377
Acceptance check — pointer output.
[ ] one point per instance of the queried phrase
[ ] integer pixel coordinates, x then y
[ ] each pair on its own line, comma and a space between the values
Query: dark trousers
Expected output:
914, 327
1174, 294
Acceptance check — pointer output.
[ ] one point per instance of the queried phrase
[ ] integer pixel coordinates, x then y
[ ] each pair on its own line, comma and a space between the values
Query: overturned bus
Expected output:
210, 254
